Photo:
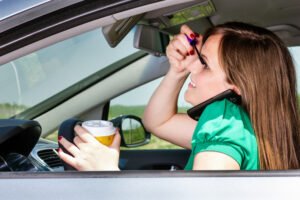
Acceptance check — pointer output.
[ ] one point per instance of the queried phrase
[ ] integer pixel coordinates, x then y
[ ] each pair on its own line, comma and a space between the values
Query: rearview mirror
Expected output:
133, 133
114, 33
151, 40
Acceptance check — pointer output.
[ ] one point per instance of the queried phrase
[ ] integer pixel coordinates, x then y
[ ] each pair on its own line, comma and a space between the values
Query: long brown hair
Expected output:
260, 65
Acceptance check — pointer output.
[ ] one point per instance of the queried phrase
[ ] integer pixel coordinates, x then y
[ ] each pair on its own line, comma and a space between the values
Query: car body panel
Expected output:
148, 174
151, 185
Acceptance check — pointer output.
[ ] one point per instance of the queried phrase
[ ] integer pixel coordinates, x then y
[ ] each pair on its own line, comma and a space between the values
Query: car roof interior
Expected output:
279, 16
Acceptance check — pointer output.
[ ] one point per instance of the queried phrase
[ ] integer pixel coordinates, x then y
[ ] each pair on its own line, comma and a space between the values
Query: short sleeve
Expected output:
221, 132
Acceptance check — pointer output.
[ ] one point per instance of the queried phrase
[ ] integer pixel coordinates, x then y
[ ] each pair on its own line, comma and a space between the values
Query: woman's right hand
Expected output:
179, 51
170, 125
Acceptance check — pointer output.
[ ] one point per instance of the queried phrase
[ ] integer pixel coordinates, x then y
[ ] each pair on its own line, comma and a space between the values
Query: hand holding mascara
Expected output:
193, 43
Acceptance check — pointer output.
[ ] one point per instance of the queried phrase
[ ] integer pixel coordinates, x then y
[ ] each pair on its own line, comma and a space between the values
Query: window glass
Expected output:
295, 52
134, 103
12, 7
33, 78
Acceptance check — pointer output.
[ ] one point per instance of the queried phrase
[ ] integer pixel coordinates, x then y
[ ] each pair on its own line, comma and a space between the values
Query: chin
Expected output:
188, 99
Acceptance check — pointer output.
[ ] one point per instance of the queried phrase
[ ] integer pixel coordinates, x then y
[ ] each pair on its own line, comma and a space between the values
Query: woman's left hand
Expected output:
88, 154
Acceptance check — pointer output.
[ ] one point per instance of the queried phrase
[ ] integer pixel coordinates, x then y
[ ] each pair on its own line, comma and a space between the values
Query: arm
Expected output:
161, 117
214, 161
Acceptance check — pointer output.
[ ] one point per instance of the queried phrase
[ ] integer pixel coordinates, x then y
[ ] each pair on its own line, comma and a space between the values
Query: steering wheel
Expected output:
66, 130
17, 139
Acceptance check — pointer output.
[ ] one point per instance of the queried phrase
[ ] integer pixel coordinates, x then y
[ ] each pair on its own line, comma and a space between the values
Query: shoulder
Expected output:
223, 127
223, 117
220, 110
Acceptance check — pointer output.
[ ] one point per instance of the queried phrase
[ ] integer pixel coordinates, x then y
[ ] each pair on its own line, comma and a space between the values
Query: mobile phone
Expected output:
196, 111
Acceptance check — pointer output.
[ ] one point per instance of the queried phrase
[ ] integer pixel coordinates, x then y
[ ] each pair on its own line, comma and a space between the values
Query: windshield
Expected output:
31, 79
11, 7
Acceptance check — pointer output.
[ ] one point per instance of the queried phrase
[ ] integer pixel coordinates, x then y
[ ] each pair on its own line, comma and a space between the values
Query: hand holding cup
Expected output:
87, 153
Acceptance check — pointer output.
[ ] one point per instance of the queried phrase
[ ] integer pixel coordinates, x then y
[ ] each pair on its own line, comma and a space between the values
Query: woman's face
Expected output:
208, 80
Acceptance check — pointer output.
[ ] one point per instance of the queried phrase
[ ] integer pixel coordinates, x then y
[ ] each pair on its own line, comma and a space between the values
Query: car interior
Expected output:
144, 30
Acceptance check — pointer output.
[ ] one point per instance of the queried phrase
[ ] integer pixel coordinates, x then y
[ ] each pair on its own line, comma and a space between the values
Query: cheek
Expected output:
197, 95
206, 89
216, 82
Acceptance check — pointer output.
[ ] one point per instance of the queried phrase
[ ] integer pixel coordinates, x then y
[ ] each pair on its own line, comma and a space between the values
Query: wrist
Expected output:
177, 76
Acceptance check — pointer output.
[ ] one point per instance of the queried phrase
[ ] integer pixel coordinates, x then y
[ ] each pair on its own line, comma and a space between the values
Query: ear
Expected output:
236, 89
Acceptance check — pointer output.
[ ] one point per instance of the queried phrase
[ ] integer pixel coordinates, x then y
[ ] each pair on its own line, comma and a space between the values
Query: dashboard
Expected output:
43, 157
22, 148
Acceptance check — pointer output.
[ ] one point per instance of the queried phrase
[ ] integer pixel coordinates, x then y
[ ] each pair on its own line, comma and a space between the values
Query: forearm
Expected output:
160, 116
163, 103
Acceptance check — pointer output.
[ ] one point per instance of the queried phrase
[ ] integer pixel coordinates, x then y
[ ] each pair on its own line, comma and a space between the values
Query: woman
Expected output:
262, 132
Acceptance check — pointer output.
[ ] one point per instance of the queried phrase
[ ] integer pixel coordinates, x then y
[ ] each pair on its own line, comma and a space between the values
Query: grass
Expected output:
8, 110
117, 110
155, 143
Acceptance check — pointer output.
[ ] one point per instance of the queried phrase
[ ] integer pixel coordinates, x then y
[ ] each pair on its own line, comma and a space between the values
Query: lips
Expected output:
192, 84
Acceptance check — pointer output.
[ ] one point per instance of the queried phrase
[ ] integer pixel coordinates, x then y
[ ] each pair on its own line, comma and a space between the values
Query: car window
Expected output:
31, 79
295, 52
134, 102
7, 8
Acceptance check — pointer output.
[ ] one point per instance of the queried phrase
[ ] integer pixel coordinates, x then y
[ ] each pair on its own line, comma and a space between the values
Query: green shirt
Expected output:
226, 128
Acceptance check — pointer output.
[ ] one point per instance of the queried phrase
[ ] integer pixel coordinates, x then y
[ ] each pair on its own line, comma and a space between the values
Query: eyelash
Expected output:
205, 66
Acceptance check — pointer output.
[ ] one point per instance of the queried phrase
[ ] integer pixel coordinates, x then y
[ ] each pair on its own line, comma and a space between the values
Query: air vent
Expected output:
49, 156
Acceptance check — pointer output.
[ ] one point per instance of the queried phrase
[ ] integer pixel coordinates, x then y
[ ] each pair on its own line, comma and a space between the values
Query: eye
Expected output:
203, 62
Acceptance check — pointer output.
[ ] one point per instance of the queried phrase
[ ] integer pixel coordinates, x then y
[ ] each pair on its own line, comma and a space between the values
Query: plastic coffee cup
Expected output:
102, 130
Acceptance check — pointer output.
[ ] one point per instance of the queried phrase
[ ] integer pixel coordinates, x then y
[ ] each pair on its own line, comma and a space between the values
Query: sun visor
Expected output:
114, 33
181, 14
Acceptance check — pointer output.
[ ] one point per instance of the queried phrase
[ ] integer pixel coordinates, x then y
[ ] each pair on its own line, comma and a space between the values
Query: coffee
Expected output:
102, 130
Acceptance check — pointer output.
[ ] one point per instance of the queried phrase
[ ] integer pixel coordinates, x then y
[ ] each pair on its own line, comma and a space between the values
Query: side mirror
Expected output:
151, 39
132, 131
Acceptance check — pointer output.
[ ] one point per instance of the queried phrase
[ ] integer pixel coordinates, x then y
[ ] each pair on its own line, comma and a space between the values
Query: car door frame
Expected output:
152, 185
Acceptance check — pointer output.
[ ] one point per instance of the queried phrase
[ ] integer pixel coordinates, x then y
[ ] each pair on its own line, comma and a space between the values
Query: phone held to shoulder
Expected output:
196, 111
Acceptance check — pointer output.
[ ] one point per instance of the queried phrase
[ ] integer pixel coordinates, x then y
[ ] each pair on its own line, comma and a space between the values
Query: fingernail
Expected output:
192, 35
192, 52
59, 137
59, 150
197, 34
